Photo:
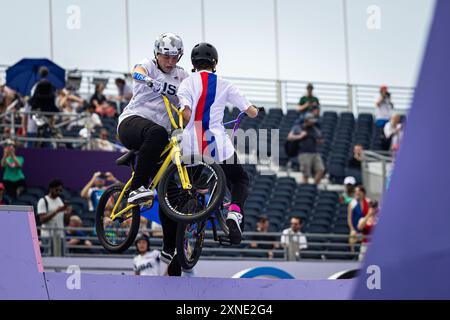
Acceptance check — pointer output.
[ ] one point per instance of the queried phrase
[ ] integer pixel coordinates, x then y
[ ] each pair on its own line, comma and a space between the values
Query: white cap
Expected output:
350, 180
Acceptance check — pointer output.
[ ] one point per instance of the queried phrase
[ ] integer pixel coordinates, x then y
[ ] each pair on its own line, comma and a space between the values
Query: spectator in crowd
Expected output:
94, 189
2, 99
8, 98
98, 100
308, 101
357, 209
43, 99
316, 113
293, 240
355, 161
143, 227
393, 132
366, 225
262, 227
69, 105
28, 125
73, 236
383, 106
4, 199
12, 165
51, 209
147, 262
6, 133
102, 142
354, 164
124, 93
90, 122
349, 192
310, 159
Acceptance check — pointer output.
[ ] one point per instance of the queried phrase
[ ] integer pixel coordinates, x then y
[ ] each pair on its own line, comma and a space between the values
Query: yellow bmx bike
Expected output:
180, 183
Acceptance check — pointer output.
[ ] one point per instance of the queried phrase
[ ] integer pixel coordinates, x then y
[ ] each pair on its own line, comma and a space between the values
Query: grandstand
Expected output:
275, 191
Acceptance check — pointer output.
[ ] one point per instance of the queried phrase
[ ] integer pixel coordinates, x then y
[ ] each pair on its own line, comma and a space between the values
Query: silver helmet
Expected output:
169, 44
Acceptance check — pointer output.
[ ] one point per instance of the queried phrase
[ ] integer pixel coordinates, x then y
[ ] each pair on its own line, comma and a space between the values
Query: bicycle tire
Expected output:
184, 261
163, 187
99, 227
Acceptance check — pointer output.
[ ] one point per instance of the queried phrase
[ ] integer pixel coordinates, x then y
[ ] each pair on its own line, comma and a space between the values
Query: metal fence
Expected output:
320, 246
283, 94
57, 135
376, 168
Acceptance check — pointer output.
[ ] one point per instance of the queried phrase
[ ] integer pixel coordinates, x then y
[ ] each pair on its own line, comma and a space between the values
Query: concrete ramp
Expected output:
22, 276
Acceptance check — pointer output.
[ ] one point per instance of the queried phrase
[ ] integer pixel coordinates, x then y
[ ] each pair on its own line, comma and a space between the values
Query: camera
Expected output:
373, 204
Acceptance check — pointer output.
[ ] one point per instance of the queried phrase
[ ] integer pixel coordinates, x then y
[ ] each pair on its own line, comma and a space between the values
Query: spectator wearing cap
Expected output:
349, 191
13, 177
308, 101
3, 198
293, 239
383, 107
94, 189
262, 227
310, 159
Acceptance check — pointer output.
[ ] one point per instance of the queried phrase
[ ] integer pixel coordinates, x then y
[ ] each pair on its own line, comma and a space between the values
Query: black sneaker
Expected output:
233, 221
174, 268
140, 195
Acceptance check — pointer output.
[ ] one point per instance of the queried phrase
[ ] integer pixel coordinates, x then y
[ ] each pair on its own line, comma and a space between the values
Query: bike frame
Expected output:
173, 151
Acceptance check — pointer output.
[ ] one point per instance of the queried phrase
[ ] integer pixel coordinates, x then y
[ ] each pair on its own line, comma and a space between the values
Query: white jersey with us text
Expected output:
148, 264
149, 104
206, 95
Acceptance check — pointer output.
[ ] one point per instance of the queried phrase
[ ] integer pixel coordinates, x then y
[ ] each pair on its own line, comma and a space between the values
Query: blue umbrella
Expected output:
24, 74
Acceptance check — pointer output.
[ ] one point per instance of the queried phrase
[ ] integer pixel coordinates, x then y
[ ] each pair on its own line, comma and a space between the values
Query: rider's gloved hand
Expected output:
158, 86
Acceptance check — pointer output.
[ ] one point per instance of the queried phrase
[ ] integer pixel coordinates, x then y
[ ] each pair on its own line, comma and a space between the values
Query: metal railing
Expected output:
285, 94
12, 119
56, 245
376, 169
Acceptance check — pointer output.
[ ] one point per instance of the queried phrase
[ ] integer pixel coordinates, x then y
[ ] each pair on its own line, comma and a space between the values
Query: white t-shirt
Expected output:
31, 124
297, 237
149, 104
206, 95
148, 264
57, 221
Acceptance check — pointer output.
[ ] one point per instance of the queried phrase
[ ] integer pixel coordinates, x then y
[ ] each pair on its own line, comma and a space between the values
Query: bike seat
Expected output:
127, 159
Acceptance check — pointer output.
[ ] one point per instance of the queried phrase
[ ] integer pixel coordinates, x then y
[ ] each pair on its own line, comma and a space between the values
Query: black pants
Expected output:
12, 187
237, 183
149, 139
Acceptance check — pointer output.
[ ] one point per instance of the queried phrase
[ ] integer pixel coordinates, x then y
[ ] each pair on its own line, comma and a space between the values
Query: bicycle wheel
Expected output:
208, 182
116, 236
190, 239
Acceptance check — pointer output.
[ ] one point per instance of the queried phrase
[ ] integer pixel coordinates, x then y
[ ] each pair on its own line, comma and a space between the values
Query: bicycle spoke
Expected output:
212, 194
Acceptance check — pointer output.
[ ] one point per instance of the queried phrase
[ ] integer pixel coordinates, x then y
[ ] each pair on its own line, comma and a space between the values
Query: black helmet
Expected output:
204, 54
142, 236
